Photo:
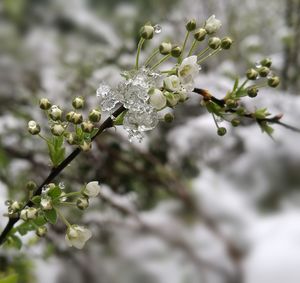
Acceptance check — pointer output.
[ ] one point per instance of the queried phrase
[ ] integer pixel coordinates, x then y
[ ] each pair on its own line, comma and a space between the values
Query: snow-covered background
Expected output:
185, 205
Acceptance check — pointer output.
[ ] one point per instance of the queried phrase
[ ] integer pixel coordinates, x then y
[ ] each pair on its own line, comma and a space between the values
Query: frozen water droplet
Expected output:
103, 90
157, 29
61, 185
257, 65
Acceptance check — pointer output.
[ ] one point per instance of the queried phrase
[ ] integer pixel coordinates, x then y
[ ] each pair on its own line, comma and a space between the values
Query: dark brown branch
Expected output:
221, 102
108, 123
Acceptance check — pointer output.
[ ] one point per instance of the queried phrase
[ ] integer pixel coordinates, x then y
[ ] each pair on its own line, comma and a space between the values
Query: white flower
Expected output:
77, 236
157, 99
212, 24
46, 203
92, 189
187, 71
172, 83
28, 213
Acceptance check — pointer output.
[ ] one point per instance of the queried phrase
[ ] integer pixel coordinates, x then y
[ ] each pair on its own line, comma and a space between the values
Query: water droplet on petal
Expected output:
257, 65
61, 185
157, 29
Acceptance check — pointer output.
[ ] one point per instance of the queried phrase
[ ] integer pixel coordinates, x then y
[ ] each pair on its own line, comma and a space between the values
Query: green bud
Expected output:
263, 71
252, 74
176, 51
86, 146
252, 91
273, 81
231, 103
33, 127
71, 138
69, 116
41, 231
226, 43
57, 130
87, 126
191, 25
95, 115
241, 111
235, 122
82, 203
165, 48
214, 43
267, 62
31, 186
78, 102
169, 117
221, 131
77, 118
44, 103
200, 34
147, 32
55, 113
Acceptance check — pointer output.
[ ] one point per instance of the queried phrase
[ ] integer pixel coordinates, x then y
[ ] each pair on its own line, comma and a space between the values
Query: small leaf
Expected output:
36, 200
119, 120
16, 242
236, 84
54, 192
51, 215
24, 228
40, 221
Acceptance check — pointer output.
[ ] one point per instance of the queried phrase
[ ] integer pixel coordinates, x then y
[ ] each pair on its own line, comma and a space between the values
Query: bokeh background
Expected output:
185, 205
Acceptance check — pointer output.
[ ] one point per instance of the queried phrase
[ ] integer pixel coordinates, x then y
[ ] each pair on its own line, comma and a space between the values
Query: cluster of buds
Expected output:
71, 126
45, 208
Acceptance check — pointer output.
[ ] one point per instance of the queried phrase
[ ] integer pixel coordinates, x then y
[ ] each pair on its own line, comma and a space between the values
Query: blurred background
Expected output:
185, 205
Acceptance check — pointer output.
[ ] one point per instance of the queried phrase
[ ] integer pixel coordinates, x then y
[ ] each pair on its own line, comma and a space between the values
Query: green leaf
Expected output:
24, 228
236, 84
13, 278
40, 221
51, 215
119, 120
56, 150
54, 192
15, 242
36, 200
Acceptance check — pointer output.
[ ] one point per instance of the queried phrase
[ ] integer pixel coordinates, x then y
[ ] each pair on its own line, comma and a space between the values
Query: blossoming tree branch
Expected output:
145, 97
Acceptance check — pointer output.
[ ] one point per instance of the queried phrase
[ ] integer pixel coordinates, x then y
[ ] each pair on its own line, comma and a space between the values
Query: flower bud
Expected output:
165, 48
95, 115
15, 206
176, 51
71, 138
57, 130
212, 24
46, 203
86, 146
69, 116
147, 31
183, 96
214, 43
221, 131
33, 127
172, 83
41, 231
44, 103
263, 71
252, 91
191, 25
31, 186
87, 126
252, 74
28, 213
92, 189
172, 99
78, 102
82, 203
235, 122
226, 43
273, 81
200, 34
169, 117
55, 113
267, 62
77, 118
231, 103
157, 99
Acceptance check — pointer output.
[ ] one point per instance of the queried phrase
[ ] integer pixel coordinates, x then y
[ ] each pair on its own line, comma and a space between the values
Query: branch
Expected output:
221, 102
108, 123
